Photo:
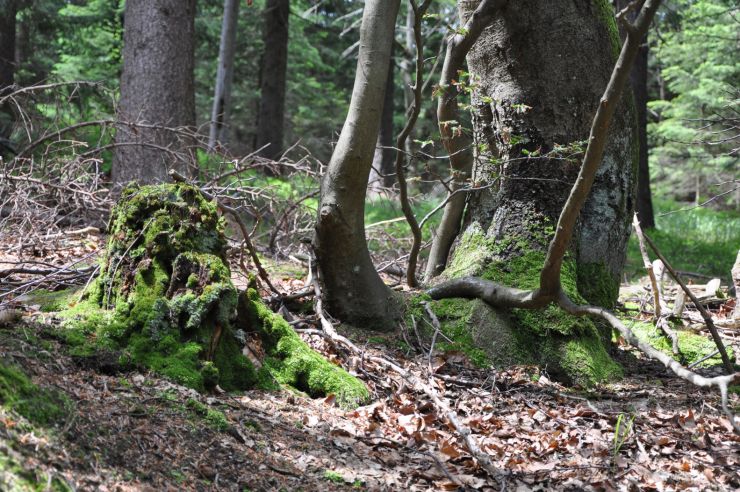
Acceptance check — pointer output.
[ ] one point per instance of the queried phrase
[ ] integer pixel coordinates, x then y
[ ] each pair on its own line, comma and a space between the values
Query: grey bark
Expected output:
382, 172
218, 131
157, 90
272, 79
458, 144
352, 289
560, 74
8, 10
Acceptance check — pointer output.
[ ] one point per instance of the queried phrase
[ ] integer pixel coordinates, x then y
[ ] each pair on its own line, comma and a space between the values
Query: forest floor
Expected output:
131, 430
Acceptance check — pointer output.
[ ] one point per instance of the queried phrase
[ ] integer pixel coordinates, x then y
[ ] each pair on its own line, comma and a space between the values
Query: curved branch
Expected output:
720, 382
457, 144
493, 293
550, 275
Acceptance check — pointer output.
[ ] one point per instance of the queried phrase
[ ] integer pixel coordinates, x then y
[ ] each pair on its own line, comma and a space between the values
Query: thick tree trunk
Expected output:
157, 89
540, 70
381, 174
7, 62
273, 74
352, 289
224, 76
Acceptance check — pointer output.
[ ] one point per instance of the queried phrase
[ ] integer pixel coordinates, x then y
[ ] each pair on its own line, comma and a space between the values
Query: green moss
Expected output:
215, 419
333, 476
13, 477
455, 319
597, 285
164, 298
50, 301
692, 347
38, 405
290, 361
605, 13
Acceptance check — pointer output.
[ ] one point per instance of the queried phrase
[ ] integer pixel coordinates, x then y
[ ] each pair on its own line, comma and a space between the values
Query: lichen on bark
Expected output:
164, 300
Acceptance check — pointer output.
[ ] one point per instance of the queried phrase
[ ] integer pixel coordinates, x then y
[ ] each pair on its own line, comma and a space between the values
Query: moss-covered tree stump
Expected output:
164, 300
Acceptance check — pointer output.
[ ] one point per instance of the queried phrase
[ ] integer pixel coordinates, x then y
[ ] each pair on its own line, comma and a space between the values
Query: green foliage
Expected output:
696, 55
699, 240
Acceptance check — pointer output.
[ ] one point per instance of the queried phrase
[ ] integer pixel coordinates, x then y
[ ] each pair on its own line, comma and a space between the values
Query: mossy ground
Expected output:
40, 406
164, 300
692, 347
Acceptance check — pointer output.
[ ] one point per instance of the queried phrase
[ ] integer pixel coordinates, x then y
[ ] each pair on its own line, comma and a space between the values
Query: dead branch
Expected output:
704, 313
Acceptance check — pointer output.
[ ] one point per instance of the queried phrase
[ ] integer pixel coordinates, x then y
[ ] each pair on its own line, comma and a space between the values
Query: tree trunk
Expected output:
224, 76
352, 289
7, 62
273, 74
639, 80
157, 89
539, 71
382, 172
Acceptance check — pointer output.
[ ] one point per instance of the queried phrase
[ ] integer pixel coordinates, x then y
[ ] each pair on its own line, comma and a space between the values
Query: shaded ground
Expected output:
135, 431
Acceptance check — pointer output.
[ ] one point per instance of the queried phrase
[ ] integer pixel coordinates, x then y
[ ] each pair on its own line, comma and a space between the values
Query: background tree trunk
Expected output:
382, 172
352, 289
639, 81
537, 88
224, 77
8, 9
157, 88
273, 74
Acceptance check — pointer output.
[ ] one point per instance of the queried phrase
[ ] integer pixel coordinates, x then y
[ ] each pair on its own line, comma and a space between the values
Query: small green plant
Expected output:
333, 476
621, 432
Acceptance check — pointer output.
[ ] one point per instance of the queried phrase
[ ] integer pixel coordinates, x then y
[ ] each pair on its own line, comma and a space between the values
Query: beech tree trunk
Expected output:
157, 90
224, 76
272, 80
352, 289
382, 172
8, 9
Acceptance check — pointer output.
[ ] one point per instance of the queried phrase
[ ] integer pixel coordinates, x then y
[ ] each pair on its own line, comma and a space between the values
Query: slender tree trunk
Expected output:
157, 89
381, 174
224, 76
352, 289
273, 75
8, 10
639, 80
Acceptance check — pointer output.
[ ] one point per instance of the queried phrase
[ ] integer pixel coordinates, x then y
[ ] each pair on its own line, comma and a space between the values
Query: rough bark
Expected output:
7, 61
157, 89
382, 172
273, 75
222, 93
537, 88
352, 289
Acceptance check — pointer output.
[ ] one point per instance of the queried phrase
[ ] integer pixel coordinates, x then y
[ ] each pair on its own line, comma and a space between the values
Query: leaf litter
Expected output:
136, 431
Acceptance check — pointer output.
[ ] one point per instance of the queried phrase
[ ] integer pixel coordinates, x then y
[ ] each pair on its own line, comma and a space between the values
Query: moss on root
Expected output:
571, 348
164, 300
291, 361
